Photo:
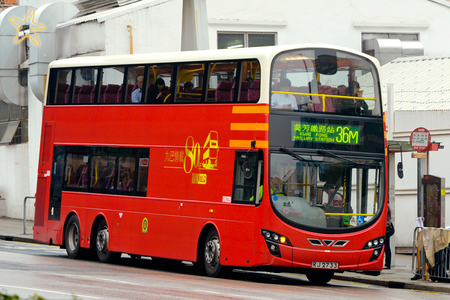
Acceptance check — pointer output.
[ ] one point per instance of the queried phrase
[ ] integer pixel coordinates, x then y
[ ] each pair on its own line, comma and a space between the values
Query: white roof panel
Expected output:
420, 83
103, 10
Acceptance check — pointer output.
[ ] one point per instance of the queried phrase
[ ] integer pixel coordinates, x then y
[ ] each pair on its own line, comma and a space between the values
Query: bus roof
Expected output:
188, 56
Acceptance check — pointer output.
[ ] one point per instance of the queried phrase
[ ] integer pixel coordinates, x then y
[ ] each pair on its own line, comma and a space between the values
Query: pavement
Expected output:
399, 276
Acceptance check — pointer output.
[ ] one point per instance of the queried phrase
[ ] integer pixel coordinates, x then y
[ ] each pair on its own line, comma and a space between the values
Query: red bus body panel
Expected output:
181, 198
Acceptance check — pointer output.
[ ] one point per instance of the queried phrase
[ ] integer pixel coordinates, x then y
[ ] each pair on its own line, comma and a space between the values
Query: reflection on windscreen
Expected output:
325, 81
326, 192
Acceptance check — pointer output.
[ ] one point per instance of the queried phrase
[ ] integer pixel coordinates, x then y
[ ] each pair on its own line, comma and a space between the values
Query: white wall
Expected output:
158, 29
155, 29
38, 3
342, 23
14, 178
85, 39
35, 108
438, 123
18, 165
333, 22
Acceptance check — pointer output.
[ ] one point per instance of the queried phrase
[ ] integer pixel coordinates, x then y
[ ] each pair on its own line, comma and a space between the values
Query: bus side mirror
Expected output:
400, 164
247, 170
400, 170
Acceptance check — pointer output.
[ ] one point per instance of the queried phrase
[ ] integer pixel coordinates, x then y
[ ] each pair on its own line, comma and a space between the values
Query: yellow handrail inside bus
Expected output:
187, 75
325, 95
256, 70
155, 73
212, 70
191, 94
95, 172
348, 214
374, 194
344, 194
70, 173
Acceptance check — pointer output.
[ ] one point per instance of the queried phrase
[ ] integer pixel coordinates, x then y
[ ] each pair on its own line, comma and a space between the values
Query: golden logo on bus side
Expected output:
145, 225
197, 158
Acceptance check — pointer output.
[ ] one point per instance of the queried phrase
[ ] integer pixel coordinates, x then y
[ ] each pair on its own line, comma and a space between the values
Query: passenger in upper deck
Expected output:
354, 106
158, 94
305, 104
284, 101
188, 87
137, 93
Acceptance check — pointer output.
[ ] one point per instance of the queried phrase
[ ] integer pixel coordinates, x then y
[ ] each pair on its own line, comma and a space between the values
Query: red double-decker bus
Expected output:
268, 158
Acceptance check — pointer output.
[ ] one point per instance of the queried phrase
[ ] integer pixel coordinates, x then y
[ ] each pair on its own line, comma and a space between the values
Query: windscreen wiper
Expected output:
291, 153
331, 154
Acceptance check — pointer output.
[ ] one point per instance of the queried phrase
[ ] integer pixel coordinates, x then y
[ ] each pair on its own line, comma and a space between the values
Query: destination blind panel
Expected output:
326, 133
337, 134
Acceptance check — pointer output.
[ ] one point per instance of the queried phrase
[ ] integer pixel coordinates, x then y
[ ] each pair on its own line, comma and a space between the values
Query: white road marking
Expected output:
103, 279
234, 295
45, 291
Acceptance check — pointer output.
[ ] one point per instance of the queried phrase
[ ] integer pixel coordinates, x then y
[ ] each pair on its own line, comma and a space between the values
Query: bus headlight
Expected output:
275, 237
376, 253
273, 240
376, 245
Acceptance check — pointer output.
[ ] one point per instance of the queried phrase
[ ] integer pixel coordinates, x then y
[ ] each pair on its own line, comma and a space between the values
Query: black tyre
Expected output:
72, 237
319, 277
102, 243
211, 254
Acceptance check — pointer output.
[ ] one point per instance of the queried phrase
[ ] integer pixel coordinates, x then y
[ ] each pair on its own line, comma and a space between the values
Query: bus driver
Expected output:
336, 200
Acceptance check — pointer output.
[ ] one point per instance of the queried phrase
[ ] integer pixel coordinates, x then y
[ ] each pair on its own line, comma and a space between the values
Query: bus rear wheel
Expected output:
72, 237
102, 243
211, 254
319, 277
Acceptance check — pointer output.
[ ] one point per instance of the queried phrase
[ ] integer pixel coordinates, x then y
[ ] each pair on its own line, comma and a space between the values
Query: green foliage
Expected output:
15, 297
7, 297
35, 297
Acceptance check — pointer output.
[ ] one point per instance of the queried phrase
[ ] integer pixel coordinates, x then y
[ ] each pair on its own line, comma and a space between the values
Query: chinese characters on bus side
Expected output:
195, 157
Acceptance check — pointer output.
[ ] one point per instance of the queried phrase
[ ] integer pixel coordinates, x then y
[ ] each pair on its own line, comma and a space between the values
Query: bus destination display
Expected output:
329, 133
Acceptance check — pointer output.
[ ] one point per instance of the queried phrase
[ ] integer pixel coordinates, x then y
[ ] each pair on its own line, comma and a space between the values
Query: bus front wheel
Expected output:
319, 277
72, 237
102, 242
211, 257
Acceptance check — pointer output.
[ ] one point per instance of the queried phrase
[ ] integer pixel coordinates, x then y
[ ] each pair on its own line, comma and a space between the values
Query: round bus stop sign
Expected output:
420, 139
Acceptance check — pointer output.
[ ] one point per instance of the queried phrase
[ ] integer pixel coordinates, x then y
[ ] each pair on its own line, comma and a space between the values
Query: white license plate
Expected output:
325, 265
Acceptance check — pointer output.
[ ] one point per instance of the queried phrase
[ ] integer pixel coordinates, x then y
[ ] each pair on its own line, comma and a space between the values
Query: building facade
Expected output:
385, 29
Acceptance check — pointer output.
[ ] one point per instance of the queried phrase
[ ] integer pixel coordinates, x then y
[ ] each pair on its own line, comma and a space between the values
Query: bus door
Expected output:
248, 193
44, 178
58, 172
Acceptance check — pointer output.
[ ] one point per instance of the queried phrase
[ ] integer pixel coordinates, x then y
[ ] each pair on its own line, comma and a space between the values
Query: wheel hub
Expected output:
212, 252
73, 236
102, 240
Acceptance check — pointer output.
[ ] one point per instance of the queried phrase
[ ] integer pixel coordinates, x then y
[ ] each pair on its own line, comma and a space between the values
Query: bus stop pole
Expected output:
391, 162
391, 197
25, 213
421, 170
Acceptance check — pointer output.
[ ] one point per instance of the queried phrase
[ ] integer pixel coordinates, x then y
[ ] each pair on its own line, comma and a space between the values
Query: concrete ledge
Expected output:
427, 286
24, 239
2, 207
